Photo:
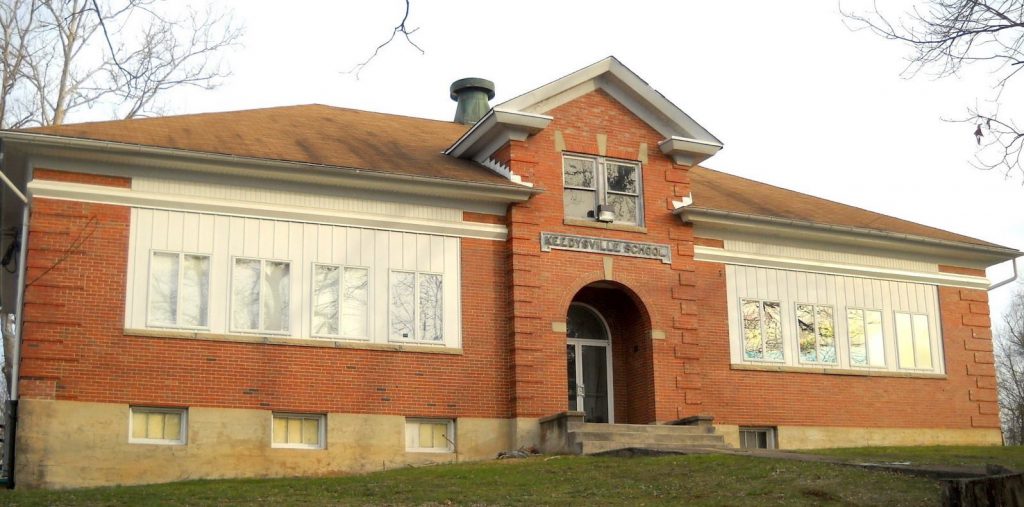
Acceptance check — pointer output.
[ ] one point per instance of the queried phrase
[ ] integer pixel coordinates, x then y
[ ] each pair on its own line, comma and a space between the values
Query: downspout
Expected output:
1013, 262
11, 431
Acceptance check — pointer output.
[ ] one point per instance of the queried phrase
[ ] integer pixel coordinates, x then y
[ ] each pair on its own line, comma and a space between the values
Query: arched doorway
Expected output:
610, 355
588, 362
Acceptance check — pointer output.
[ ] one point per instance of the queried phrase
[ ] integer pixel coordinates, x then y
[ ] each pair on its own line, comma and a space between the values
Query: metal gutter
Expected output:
689, 213
368, 177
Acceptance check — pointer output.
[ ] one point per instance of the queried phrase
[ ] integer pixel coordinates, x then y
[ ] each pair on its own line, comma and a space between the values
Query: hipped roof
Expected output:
348, 138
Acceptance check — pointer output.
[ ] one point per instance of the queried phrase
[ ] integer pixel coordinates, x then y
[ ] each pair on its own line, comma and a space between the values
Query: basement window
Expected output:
298, 431
149, 425
757, 438
430, 435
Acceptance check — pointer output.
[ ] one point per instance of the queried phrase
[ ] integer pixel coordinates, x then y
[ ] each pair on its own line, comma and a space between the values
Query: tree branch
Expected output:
399, 29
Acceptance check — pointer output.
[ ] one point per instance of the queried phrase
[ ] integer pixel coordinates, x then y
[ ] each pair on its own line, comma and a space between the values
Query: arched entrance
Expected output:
588, 362
609, 355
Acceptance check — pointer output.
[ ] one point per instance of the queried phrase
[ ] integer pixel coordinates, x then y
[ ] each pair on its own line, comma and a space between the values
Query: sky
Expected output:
798, 98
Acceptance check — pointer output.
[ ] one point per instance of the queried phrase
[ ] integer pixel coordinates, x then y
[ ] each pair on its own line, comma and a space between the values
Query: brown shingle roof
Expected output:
313, 133
371, 141
725, 192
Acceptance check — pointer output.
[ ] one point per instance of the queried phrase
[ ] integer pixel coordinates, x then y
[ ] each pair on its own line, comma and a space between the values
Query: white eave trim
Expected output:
299, 172
711, 254
496, 128
137, 199
688, 152
840, 234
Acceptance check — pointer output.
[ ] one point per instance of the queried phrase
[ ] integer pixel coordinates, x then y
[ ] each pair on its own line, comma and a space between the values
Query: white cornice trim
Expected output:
689, 152
494, 130
248, 167
711, 254
845, 235
134, 198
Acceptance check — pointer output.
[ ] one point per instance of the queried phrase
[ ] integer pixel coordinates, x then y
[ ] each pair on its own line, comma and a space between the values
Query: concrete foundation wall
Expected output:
822, 437
66, 444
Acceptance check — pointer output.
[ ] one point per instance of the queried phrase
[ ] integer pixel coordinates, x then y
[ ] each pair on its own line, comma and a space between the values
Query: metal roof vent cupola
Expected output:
472, 94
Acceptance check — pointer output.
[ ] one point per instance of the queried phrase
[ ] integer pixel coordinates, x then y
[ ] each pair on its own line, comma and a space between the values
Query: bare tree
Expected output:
1010, 369
945, 36
59, 56
400, 28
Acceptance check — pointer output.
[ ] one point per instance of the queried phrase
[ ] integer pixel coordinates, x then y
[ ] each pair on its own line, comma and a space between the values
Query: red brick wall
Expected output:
75, 348
965, 399
544, 283
88, 179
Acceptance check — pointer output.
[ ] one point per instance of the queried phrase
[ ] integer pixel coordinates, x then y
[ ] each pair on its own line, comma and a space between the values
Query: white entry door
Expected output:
588, 361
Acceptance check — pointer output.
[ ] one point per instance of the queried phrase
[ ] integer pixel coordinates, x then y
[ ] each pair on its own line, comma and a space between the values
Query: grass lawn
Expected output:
1009, 457
666, 480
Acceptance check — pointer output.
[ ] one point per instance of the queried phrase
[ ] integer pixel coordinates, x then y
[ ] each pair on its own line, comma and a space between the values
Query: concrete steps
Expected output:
590, 438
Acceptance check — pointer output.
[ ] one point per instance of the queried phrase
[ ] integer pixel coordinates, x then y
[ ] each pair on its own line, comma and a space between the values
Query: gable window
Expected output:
260, 295
817, 334
595, 184
157, 425
340, 301
416, 312
867, 342
429, 435
762, 330
913, 343
298, 431
179, 287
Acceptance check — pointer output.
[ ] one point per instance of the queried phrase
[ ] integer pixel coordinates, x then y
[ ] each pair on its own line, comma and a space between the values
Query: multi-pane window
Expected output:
157, 425
913, 343
260, 295
757, 438
817, 333
591, 182
179, 290
867, 340
430, 435
301, 431
340, 296
416, 307
762, 330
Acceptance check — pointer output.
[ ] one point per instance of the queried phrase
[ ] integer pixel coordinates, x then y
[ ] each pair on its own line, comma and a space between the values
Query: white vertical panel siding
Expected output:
810, 252
224, 238
289, 198
841, 292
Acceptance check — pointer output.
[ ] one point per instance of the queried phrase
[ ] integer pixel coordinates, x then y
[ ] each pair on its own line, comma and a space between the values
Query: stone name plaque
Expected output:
551, 240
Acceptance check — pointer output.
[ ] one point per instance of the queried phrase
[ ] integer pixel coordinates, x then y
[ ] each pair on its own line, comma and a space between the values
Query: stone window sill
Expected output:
836, 371
286, 340
603, 225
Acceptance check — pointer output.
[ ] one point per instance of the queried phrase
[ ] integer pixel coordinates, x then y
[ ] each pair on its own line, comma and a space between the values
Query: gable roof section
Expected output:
714, 190
311, 134
686, 141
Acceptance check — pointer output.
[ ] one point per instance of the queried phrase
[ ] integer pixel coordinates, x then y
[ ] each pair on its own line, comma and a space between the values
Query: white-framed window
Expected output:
340, 301
816, 331
416, 308
154, 425
179, 290
260, 299
595, 183
867, 337
299, 431
762, 330
429, 435
913, 342
757, 438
